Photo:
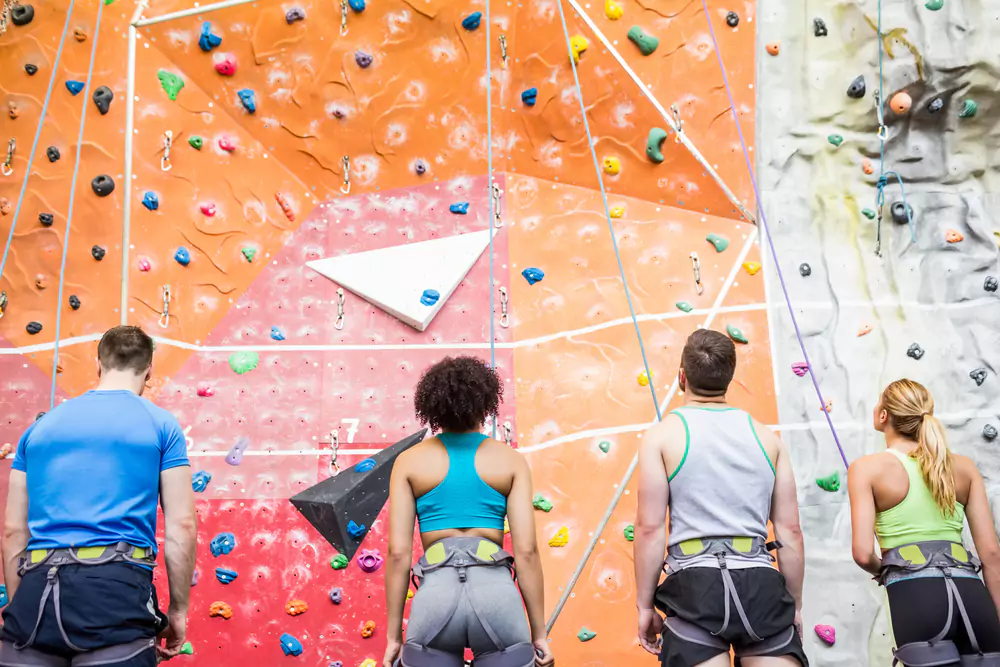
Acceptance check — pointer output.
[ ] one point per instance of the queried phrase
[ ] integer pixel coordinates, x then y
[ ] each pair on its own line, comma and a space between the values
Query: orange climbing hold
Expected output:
864, 331
828, 407
286, 206
368, 629
900, 103
867, 167
295, 607
6, 450
773, 48
953, 236
220, 610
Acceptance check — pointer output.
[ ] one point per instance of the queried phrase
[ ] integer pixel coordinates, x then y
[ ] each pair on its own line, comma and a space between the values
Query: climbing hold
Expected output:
74, 302
827, 633
720, 242
935, 105
40, 282
613, 10
46, 219
171, 83
612, 165
336, 595
296, 607
277, 334
357, 6
295, 14
735, 333
79, 34
144, 264
991, 284
685, 306
561, 538
751, 267
533, 275
367, 662
540, 503
643, 379
220, 610
430, 297
248, 253
900, 103
969, 109
207, 210
773, 48
102, 185
12, 110
234, 456
363, 59
52, 153
187, 649
74, 87
290, 645
990, 432
901, 213
338, 562
151, 201
577, 45
604, 446
979, 375
223, 543
200, 480
243, 362
102, 98
647, 43
195, 142
819, 28
4, 206
867, 167
868, 213
420, 167
225, 64
471, 22
205, 390
365, 465
182, 256
864, 331
857, 88
370, 560
32, 70
953, 236
208, 40
225, 576
368, 629
285, 205
629, 533
732, 19
835, 139
529, 96
3, 595
915, 351
805, 270
248, 100
616, 211
829, 483
355, 531
98, 252
585, 635
21, 14
459, 208
654, 144
800, 368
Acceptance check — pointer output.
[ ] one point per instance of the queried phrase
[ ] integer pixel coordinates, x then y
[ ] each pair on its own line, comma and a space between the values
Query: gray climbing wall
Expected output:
926, 291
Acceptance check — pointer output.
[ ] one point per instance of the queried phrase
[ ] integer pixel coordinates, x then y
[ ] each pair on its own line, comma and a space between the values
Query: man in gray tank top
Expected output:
723, 476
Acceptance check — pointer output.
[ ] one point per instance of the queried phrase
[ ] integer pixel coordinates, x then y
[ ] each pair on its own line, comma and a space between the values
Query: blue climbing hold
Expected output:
208, 40
74, 87
471, 22
355, 531
533, 275
430, 297
3, 595
459, 208
151, 201
223, 543
277, 334
530, 96
200, 480
182, 256
225, 576
248, 100
357, 5
290, 645
364, 466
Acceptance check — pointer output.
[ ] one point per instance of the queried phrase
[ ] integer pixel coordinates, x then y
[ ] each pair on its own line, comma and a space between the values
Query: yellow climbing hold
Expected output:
612, 165
506, 526
561, 538
612, 10
578, 44
643, 379
752, 267
368, 663
409, 594
617, 211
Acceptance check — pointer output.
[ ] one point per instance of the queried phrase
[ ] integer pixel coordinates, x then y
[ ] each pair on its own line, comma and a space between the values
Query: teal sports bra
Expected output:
462, 499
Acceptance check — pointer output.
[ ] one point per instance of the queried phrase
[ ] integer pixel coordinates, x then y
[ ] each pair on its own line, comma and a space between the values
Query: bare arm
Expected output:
983, 533
651, 515
521, 518
15, 532
402, 519
180, 534
859, 488
785, 519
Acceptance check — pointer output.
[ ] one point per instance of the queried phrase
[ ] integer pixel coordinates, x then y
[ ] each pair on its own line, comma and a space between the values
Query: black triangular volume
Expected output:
352, 496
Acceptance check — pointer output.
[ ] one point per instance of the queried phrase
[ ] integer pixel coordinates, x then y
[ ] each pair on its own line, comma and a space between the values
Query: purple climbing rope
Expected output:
767, 234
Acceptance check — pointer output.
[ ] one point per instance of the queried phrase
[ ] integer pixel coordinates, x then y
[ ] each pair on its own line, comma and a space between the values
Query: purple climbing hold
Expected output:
336, 595
420, 167
295, 14
235, 455
194, 577
370, 560
362, 59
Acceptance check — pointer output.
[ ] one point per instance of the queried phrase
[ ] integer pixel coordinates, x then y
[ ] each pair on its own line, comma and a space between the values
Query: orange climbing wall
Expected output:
570, 358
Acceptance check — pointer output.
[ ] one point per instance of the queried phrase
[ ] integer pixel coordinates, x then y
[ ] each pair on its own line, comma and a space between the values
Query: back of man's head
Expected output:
709, 363
125, 348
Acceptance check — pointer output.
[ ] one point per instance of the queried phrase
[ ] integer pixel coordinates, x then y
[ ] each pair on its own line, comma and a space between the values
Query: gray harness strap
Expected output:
29, 657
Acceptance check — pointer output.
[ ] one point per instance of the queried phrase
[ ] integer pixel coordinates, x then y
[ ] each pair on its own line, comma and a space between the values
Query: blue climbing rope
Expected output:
72, 201
489, 190
38, 134
767, 233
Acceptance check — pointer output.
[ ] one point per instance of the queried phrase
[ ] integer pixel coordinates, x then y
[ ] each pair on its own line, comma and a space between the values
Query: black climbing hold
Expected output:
915, 351
22, 14
991, 284
46, 219
33, 327
420, 167
74, 302
732, 19
98, 252
39, 415
899, 211
102, 98
819, 28
857, 88
979, 375
935, 105
52, 153
32, 70
295, 14
990, 432
103, 185
805, 270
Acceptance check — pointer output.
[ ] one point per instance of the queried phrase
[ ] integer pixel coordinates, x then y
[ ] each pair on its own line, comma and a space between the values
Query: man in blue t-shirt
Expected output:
79, 542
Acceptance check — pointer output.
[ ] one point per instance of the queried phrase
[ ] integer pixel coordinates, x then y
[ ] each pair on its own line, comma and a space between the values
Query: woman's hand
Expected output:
543, 654
392, 649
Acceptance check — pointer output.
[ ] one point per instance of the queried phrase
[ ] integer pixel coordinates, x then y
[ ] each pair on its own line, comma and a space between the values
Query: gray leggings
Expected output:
496, 598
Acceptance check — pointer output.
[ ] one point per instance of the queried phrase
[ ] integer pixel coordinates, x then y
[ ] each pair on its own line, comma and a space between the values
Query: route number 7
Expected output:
352, 428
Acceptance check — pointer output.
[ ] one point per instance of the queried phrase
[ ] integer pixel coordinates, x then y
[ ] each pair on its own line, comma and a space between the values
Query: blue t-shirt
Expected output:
93, 466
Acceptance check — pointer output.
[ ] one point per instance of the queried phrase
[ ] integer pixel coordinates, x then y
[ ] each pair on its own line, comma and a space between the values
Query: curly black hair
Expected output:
458, 394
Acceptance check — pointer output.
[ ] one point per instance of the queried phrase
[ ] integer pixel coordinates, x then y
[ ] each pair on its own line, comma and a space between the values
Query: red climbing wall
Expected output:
570, 357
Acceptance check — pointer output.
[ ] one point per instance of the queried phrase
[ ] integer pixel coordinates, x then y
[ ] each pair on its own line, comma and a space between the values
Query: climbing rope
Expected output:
491, 192
72, 201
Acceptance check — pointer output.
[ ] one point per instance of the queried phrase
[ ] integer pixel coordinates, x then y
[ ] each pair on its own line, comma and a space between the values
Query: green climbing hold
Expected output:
969, 109
196, 142
338, 562
646, 43
629, 533
585, 635
187, 648
605, 446
835, 139
685, 306
720, 242
108, 2
654, 144
830, 483
934, 5
735, 333
541, 503
243, 362
249, 253
170, 82
868, 213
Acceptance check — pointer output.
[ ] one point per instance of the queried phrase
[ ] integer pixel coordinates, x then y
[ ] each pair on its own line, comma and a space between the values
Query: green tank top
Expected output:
917, 518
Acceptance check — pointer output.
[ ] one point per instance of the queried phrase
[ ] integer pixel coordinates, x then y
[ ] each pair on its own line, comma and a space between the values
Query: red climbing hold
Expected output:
286, 206
226, 144
144, 264
209, 209
205, 390
226, 64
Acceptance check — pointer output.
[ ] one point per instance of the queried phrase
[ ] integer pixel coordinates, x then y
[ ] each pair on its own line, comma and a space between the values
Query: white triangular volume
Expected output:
395, 278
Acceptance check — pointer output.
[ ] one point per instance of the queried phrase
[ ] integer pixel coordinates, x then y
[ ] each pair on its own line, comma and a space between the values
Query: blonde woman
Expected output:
913, 497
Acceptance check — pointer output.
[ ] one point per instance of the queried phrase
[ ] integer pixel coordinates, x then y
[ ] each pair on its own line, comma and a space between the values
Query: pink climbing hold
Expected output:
209, 209
827, 633
226, 144
800, 368
205, 390
144, 264
370, 560
226, 64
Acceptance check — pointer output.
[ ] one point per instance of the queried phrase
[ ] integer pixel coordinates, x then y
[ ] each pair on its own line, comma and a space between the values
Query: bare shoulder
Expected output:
870, 464
966, 469
502, 454
672, 430
411, 458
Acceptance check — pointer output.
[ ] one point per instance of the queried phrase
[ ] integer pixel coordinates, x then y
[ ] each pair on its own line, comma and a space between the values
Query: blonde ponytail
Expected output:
911, 410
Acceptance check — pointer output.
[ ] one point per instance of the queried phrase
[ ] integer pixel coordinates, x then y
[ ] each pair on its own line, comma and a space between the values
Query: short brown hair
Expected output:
125, 348
709, 362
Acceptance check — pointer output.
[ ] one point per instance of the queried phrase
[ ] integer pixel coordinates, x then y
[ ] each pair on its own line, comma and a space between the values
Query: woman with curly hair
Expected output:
460, 485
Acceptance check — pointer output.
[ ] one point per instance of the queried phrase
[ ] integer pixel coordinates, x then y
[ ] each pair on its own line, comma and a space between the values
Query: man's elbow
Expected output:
787, 531
183, 526
14, 535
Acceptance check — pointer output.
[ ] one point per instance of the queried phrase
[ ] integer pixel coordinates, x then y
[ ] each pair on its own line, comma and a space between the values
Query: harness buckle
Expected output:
722, 560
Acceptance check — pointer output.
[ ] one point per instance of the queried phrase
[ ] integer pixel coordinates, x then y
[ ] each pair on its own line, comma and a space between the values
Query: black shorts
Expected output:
918, 610
101, 606
697, 595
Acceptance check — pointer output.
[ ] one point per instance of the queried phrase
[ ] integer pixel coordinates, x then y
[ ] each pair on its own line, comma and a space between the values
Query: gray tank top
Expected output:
723, 485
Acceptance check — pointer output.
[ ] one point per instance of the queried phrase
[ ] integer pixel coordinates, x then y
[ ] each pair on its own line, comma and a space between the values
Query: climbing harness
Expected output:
7, 169
504, 319
165, 315
696, 267
461, 553
719, 553
339, 324
168, 141
346, 187
343, 17
503, 51
497, 220
950, 560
